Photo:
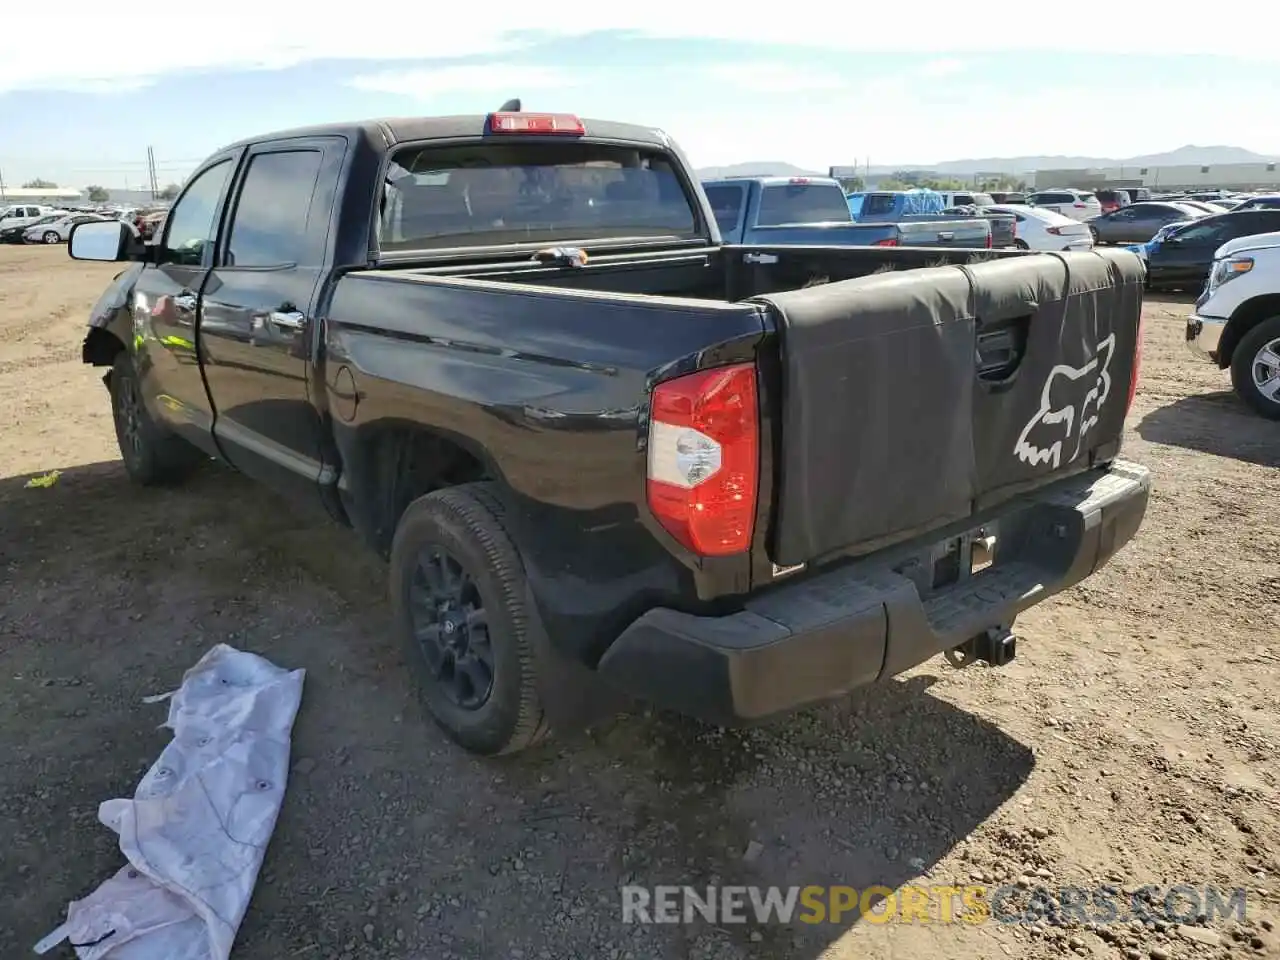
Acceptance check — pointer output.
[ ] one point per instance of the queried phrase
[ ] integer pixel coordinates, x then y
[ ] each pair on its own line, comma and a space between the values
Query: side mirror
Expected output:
104, 240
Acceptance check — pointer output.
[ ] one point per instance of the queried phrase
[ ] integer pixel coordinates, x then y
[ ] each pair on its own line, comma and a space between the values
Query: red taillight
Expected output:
799, 179
990, 242
890, 242
536, 124
1056, 231
1078, 206
1015, 229
1137, 367
704, 459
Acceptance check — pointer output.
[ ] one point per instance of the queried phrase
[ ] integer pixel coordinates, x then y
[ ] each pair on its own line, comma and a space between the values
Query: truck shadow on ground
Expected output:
1218, 423
391, 842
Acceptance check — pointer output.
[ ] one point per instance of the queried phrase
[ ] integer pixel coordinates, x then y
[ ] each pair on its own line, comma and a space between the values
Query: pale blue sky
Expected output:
819, 93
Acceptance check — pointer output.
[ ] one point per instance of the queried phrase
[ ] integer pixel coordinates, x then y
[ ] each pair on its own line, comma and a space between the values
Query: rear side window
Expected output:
726, 204
962, 200
1052, 198
270, 224
879, 204
802, 203
1087, 197
487, 193
983, 199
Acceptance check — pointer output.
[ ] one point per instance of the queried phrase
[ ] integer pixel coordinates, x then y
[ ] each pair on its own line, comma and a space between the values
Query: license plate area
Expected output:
952, 561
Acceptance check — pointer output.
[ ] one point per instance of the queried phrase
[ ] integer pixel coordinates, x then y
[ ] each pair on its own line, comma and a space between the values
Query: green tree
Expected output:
38, 184
97, 194
169, 192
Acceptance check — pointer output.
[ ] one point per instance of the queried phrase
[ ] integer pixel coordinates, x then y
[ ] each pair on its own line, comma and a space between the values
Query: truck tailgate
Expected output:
911, 399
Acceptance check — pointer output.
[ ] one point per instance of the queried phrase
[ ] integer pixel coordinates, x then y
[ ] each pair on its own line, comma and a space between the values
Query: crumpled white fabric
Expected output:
197, 827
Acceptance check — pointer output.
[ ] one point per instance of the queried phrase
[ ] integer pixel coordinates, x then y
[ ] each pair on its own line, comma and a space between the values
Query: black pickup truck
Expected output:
601, 449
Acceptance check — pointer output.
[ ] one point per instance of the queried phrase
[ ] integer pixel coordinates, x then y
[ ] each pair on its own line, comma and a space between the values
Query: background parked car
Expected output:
1144, 249
24, 214
14, 233
1042, 229
59, 230
1138, 222
1076, 204
1111, 200
1000, 197
965, 198
1207, 207
1184, 257
1265, 202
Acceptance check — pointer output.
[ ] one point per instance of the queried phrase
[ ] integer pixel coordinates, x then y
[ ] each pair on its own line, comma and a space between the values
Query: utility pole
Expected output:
2, 194
151, 170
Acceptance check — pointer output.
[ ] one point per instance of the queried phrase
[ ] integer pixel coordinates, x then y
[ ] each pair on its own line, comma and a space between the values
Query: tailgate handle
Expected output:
759, 258
946, 236
1000, 348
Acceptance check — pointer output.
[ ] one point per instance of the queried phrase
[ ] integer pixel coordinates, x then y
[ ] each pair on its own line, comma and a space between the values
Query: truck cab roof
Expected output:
386, 132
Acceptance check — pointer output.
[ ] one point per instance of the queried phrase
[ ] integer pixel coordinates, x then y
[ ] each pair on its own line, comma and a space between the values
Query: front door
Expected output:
257, 326
165, 301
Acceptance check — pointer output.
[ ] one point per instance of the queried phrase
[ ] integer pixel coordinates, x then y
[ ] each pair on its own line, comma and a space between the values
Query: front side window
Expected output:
270, 224
490, 193
194, 218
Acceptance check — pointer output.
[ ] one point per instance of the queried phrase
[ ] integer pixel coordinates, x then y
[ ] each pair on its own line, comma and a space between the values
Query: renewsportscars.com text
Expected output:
967, 903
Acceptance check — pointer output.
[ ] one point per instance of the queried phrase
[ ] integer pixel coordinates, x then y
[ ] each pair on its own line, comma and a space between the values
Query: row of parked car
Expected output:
28, 223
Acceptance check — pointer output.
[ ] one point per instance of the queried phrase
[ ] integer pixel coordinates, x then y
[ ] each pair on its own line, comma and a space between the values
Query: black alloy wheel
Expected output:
451, 627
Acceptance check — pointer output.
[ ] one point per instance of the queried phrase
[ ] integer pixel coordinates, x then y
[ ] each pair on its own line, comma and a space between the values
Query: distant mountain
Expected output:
762, 168
1189, 155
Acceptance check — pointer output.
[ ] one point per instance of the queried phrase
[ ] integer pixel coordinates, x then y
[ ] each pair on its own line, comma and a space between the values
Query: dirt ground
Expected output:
1132, 742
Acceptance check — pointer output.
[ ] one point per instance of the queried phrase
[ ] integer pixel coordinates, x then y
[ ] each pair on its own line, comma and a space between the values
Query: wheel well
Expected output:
1246, 316
100, 347
403, 463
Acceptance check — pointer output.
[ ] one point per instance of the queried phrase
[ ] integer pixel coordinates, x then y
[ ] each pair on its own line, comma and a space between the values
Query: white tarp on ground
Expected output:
197, 828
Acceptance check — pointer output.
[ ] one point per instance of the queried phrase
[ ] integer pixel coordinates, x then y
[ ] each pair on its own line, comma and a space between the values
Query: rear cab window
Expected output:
801, 202
486, 194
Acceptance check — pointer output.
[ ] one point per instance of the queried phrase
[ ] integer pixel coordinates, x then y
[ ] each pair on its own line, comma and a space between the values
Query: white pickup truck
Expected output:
23, 214
1236, 321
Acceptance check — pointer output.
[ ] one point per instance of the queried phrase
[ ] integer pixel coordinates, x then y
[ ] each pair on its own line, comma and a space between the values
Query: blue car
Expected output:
1144, 249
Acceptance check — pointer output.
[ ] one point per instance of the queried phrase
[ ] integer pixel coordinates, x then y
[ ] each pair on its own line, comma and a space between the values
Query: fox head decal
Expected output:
1070, 406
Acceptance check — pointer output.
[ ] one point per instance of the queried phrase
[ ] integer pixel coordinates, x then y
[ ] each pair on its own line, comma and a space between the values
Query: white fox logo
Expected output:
1058, 412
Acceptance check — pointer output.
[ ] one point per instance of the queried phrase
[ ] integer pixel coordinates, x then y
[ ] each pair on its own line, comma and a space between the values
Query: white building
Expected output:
42, 195
1229, 176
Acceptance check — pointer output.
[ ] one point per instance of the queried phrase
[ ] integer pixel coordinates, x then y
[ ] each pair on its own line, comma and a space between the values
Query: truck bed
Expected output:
878, 376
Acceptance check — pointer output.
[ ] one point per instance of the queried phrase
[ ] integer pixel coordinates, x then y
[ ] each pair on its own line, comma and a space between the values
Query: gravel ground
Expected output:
1132, 742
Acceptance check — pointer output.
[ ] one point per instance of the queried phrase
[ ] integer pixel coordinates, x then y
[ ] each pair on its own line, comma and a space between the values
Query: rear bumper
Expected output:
815, 639
1203, 334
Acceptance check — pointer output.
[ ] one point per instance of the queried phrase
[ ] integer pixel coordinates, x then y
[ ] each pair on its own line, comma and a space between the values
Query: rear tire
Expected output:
152, 455
1021, 245
1257, 353
51, 237
458, 601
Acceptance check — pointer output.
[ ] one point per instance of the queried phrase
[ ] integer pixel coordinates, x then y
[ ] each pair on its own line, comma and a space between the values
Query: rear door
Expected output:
257, 319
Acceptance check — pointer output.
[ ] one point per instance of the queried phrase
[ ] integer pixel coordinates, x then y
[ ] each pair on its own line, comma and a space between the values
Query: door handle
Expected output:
185, 302
287, 319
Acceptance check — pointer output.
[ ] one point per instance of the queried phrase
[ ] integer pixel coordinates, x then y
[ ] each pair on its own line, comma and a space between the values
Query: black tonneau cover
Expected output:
913, 399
